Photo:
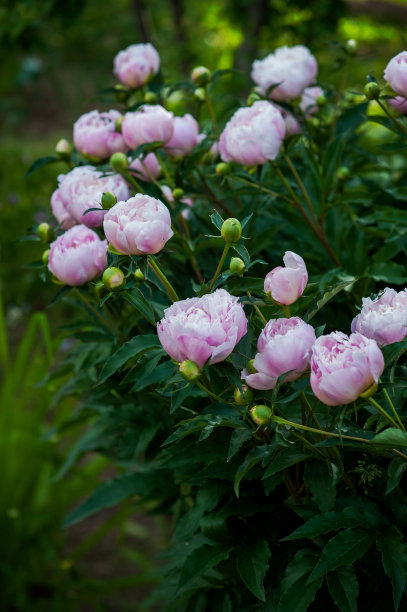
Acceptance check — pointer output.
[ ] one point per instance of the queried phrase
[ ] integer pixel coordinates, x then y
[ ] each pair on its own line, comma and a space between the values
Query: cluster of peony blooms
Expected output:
205, 330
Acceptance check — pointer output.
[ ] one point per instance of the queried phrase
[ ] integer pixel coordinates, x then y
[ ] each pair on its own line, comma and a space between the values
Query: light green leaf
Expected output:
391, 437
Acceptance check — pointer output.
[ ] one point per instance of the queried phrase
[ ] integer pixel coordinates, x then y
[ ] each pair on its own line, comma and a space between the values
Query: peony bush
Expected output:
259, 408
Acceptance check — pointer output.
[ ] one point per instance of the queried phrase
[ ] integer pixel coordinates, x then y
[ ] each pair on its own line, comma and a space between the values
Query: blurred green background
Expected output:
56, 56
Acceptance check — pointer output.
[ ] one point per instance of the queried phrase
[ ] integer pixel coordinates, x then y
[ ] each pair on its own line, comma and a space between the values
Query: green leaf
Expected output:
321, 479
162, 372
252, 565
131, 349
286, 457
394, 557
43, 161
327, 295
396, 470
254, 457
342, 549
389, 272
238, 438
216, 219
179, 395
243, 252
391, 437
334, 520
296, 594
331, 162
343, 587
137, 299
200, 560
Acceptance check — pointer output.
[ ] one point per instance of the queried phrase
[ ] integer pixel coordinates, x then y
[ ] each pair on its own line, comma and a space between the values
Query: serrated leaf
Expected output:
200, 560
391, 437
252, 565
343, 549
394, 557
343, 587
131, 349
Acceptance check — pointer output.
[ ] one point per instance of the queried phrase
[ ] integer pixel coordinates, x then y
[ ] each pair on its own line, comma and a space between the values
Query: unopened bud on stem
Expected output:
231, 230
138, 275
201, 75
108, 200
237, 266
45, 232
243, 398
189, 370
372, 91
222, 169
150, 97
63, 148
261, 415
177, 193
113, 279
119, 162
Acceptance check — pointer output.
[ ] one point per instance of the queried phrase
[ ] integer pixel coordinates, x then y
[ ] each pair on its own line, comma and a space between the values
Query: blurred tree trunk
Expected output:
180, 34
141, 17
256, 17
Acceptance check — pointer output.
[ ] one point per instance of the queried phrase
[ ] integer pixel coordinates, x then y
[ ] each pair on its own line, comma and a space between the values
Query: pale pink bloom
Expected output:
82, 188
285, 285
77, 256
253, 135
151, 163
185, 136
399, 104
214, 151
150, 123
60, 211
283, 346
309, 97
292, 127
292, 68
134, 65
140, 226
203, 328
383, 319
343, 367
95, 134
395, 73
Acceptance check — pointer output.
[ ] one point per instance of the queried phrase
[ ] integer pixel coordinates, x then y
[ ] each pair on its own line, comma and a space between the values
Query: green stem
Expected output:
302, 188
286, 310
220, 264
261, 188
211, 112
383, 412
95, 312
133, 181
151, 177
310, 410
257, 309
212, 194
393, 119
393, 409
153, 265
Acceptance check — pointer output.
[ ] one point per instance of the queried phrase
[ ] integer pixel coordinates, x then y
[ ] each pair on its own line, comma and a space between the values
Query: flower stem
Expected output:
153, 265
257, 309
393, 119
220, 264
302, 188
286, 310
105, 322
383, 412
393, 409
133, 182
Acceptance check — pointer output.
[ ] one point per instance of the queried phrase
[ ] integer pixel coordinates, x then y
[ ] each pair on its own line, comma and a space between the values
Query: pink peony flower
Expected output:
309, 97
150, 162
383, 319
95, 134
395, 73
283, 345
253, 135
151, 123
285, 285
203, 328
293, 68
136, 64
77, 256
292, 126
343, 367
82, 188
139, 226
399, 104
185, 137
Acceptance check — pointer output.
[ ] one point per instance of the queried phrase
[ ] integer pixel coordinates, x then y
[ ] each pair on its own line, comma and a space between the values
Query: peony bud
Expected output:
118, 123
321, 100
252, 98
237, 266
372, 90
250, 367
113, 279
150, 97
351, 47
119, 162
189, 370
223, 169
45, 232
243, 398
231, 230
177, 193
108, 200
261, 415
199, 94
286, 284
201, 76
138, 275
45, 257
63, 148
343, 173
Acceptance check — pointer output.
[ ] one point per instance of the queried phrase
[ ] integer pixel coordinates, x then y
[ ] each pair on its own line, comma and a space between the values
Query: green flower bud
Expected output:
343, 173
45, 257
177, 193
119, 162
63, 148
99, 290
199, 94
321, 100
113, 279
150, 97
108, 200
243, 398
138, 275
223, 169
261, 415
372, 91
189, 370
250, 367
237, 266
201, 75
45, 232
231, 230
118, 123
252, 98
351, 47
